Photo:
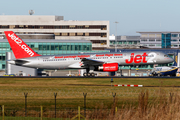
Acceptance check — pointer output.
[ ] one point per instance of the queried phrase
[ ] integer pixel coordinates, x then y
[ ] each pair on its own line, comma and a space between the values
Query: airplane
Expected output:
165, 70
106, 62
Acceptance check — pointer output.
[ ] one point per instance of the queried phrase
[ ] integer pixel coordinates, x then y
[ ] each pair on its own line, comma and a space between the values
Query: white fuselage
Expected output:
75, 60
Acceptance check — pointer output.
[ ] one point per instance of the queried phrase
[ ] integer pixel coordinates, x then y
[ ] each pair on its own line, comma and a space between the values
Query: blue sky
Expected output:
132, 15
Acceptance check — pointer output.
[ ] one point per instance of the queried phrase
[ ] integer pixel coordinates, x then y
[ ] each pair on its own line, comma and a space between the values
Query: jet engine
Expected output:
109, 67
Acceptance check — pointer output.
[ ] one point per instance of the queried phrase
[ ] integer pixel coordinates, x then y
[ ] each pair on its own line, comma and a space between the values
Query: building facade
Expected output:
160, 39
95, 31
147, 40
124, 41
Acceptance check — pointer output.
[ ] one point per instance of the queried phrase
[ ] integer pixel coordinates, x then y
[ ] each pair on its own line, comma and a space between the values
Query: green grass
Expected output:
70, 90
39, 82
70, 94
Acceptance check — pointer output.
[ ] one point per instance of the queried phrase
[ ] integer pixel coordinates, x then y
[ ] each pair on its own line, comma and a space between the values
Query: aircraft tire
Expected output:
153, 72
159, 75
89, 75
85, 74
92, 75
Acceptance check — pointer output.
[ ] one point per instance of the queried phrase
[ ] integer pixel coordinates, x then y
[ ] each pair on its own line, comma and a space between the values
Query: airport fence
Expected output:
35, 103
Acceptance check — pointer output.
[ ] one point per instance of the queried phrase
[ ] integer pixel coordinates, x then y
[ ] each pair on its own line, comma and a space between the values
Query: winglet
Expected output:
19, 47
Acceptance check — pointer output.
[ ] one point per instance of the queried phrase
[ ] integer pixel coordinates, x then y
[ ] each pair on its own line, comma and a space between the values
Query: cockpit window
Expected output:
166, 56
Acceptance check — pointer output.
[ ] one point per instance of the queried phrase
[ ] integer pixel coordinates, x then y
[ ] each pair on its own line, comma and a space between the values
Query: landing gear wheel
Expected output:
85, 74
159, 75
92, 75
154, 73
89, 74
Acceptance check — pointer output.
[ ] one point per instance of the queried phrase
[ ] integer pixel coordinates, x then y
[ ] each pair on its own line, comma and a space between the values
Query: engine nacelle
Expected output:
109, 67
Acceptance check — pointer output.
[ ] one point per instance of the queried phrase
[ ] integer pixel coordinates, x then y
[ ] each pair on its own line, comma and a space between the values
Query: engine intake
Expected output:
109, 67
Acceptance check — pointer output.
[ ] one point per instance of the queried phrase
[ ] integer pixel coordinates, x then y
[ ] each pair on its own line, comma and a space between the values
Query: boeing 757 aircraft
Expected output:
107, 62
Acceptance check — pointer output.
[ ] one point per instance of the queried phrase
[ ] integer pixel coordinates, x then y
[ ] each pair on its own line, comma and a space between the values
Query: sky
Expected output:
131, 15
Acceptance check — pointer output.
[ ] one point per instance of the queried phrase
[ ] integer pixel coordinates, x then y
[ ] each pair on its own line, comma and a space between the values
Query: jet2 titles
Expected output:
19, 42
137, 58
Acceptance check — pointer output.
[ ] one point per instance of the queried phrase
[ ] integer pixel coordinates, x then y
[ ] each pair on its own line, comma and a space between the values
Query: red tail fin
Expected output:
19, 47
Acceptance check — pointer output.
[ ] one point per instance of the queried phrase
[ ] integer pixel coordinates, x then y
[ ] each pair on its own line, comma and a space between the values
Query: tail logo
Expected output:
19, 42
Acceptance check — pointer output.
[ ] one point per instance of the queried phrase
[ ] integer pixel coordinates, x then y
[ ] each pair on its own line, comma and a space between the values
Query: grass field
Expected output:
70, 92
41, 90
68, 82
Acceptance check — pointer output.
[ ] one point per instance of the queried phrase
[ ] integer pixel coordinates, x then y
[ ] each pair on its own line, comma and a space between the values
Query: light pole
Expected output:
115, 36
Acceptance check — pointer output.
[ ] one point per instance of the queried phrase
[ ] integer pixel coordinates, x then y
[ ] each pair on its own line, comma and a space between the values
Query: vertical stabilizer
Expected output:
18, 46
175, 61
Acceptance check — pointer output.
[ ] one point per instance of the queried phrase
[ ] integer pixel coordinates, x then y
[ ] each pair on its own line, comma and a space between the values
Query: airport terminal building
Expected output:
147, 40
31, 26
124, 42
168, 39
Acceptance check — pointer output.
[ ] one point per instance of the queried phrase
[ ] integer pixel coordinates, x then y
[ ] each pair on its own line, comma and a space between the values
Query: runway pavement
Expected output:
86, 77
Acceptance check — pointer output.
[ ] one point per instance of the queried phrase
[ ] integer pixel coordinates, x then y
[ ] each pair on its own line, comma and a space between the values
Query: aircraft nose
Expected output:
171, 59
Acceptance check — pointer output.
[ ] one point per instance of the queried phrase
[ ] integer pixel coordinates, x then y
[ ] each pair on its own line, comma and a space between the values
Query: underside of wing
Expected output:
91, 62
85, 63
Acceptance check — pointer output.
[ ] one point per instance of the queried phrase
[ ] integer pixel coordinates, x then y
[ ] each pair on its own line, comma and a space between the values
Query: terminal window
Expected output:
174, 35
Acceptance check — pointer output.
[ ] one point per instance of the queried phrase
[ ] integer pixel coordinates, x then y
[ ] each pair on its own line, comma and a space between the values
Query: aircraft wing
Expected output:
87, 62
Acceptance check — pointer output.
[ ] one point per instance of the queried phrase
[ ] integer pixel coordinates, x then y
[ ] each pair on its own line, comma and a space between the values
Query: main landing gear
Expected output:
89, 74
